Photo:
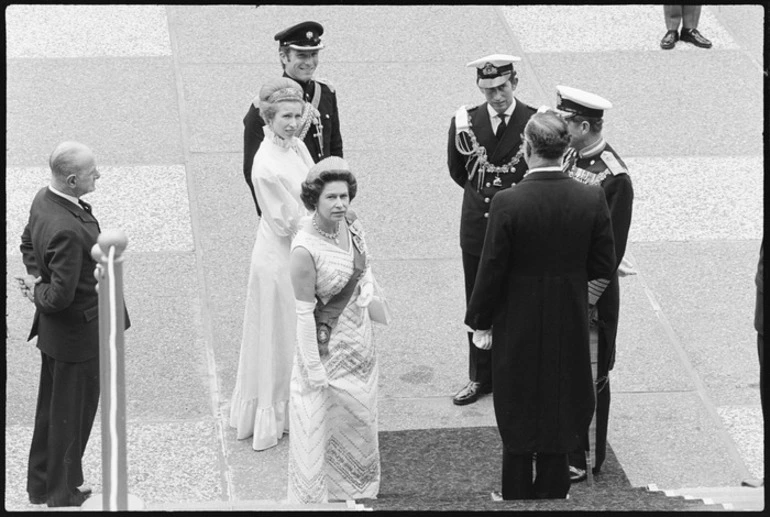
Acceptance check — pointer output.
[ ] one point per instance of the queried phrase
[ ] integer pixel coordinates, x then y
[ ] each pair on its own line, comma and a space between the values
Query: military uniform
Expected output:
483, 166
598, 164
323, 137
253, 132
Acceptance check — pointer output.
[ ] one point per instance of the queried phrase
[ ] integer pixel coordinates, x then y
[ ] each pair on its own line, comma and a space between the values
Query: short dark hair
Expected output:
547, 134
312, 189
594, 123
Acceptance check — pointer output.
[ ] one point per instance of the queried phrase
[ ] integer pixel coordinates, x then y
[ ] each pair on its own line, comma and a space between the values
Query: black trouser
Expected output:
66, 406
577, 458
480, 361
551, 479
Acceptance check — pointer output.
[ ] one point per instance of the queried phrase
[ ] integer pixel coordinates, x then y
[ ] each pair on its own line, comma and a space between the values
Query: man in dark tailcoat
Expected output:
298, 48
547, 237
484, 158
591, 160
56, 250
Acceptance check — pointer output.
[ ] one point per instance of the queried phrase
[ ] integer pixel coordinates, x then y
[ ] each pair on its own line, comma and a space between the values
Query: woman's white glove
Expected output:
366, 289
482, 339
307, 345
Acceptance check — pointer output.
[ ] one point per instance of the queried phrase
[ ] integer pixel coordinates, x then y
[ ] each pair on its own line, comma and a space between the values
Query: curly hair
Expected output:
547, 134
268, 106
327, 170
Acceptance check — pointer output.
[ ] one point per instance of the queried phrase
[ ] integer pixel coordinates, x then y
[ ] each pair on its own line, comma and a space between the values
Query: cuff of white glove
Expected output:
307, 344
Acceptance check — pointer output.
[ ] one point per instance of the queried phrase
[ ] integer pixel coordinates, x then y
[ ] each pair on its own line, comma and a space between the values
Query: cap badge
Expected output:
489, 69
309, 35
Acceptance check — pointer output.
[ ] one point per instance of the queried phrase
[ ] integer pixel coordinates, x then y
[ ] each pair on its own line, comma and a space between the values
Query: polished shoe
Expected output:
471, 392
37, 499
77, 498
694, 37
669, 40
577, 475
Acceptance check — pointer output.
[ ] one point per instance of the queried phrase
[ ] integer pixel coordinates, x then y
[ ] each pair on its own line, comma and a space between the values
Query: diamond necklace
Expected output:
331, 236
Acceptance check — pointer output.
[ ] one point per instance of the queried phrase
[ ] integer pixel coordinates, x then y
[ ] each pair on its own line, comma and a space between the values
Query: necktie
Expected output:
501, 127
85, 206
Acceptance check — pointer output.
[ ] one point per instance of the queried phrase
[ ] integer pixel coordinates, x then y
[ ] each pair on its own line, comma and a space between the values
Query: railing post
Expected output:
108, 253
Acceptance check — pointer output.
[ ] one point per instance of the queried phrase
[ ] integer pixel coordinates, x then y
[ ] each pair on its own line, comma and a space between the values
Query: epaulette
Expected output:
471, 107
326, 82
612, 163
530, 107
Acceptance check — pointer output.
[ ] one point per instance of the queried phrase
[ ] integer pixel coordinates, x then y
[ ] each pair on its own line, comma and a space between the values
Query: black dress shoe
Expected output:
37, 499
577, 475
669, 40
695, 37
470, 393
77, 498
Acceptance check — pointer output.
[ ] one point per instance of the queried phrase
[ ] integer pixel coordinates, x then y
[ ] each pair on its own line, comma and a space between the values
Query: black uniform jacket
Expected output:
56, 245
547, 237
476, 201
253, 132
619, 192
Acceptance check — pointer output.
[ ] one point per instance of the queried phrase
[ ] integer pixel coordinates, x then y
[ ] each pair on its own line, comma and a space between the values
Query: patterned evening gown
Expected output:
334, 451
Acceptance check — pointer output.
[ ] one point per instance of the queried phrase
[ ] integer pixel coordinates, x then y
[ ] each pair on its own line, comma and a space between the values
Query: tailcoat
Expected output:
253, 132
546, 238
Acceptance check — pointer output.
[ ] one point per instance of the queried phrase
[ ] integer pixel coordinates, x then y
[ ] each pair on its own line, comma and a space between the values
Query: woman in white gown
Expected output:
333, 447
260, 399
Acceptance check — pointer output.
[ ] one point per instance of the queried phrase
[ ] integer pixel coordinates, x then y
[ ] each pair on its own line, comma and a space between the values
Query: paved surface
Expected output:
159, 93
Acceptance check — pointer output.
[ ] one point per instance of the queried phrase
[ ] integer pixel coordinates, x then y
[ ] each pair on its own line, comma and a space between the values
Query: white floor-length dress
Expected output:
261, 395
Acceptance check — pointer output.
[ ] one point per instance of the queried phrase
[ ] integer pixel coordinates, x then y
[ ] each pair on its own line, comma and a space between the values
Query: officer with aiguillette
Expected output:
591, 160
484, 158
298, 48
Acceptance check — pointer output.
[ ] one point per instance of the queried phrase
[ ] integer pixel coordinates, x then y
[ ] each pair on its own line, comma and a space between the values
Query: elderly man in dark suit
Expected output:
56, 250
298, 48
546, 238
484, 158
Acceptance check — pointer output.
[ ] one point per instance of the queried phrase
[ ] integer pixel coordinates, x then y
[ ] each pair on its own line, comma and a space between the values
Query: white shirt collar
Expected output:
69, 198
551, 168
495, 119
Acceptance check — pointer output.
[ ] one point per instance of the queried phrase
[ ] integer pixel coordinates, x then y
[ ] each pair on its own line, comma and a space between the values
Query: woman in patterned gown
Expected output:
333, 447
261, 394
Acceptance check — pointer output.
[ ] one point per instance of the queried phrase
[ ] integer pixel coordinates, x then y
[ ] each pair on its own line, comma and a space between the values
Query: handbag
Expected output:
379, 309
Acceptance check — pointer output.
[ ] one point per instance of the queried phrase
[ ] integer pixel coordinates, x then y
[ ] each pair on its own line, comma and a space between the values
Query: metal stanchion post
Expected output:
108, 253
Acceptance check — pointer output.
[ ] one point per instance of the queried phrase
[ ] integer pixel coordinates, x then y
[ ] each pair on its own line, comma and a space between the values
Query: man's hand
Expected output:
482, 339
593, 315
27, 285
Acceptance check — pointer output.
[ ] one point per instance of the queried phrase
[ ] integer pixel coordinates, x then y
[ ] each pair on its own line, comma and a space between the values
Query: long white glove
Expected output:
307, 345
366, 286
482, 339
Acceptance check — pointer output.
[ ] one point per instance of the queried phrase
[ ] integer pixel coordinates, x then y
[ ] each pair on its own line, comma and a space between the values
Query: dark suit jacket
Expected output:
56, 245
476, 201
547, 237
253, 134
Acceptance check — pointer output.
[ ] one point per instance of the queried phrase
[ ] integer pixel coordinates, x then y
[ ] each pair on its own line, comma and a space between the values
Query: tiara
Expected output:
285, 94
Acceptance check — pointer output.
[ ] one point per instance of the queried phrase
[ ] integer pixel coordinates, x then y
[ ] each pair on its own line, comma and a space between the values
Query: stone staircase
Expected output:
729, 498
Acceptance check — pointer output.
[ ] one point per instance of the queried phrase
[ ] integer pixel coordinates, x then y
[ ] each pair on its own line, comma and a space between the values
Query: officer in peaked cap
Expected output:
591, 160
298, 48
484, 157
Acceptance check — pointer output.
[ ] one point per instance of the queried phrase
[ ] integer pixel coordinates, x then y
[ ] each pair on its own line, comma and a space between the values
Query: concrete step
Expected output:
731, 498
259, 506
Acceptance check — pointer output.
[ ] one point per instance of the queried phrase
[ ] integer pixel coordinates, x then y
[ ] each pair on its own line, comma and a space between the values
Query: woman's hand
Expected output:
365, 295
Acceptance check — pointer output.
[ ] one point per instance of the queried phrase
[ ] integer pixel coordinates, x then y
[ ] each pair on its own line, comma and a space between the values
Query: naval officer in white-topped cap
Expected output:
484, 157
593, 161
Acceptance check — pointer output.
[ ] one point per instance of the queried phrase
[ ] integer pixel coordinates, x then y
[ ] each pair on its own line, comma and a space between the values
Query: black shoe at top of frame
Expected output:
669, 40
695, 37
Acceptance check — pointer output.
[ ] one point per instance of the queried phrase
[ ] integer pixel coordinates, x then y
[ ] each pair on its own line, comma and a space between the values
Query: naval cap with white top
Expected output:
573, 101
494, 70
